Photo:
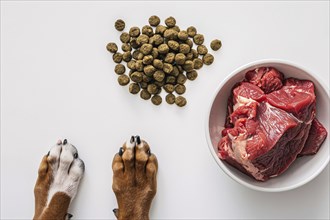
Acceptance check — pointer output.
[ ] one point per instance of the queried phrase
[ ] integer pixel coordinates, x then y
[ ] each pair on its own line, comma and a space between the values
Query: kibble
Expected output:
134, 88
134, 31
208, 59
215, 44
192, 75
199, 39
123, 80
191, 31
170, 98
124, 37
117, 57
112, 47
120, 25
120, 69
180, 101
160, 57
156, 99
147, 30
180, 89
144, 94
170, 22
202, 50
154, 20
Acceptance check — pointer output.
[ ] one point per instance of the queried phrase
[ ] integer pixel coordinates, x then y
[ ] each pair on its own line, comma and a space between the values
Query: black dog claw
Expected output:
65, 141
138, 140
121, 151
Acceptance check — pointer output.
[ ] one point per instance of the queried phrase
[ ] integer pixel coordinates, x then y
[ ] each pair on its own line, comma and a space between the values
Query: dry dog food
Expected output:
160, 57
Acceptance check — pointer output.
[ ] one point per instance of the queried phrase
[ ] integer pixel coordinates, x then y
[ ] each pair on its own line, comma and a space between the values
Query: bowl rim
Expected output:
208, 113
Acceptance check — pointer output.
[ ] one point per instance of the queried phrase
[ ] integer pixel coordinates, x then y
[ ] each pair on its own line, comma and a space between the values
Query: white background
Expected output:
57, 81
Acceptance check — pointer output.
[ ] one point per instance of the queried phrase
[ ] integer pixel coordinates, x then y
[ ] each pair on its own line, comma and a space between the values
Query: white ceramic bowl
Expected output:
303, 169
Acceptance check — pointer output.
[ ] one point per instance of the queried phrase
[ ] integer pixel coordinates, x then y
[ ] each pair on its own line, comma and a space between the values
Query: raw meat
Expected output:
268, 122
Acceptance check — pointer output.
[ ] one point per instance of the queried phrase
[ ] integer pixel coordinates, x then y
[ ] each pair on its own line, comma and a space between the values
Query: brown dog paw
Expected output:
134, 179
59, 176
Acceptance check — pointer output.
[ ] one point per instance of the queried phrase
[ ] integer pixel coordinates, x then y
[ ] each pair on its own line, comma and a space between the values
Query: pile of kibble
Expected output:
160, 58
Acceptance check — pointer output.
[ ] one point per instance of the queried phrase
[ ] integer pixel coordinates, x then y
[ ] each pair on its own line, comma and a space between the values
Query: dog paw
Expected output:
59, 176
134, 179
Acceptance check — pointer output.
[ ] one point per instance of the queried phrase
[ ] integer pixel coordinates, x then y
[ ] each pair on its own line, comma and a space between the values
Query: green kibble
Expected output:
170, 80
159, 85
112, 47
170, 98
158, 64
175, 71
146, 49
183, 35
134, 43
147, 59
171, 34
170, 22
184, 48
194, 52
137, 76
154, 20
117, 57
198, 63
180, 101
131, 65
124, 37
188, 66
147, 30
144, 94
152, 88
208, 59
190, 43
180, 58
180, 89
143, 85
169, 58
146, 79
123, 80
189, 56
139, 65
199, 39
137, 55
167, 67
126, 47
192, 75
154, 52
159, 75
120, 69
149, 70
127, 56
134, 88
216, 44
163, 48
176, 28
173, 45
202, 49
160, 29
191, 31
134, 31
156, 40
120, 25
181, 79
142, 39
169, 88
156, 99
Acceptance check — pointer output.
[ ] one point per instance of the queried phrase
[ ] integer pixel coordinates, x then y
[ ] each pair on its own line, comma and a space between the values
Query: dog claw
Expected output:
69, 216
121, 151
138, 140
132, 140
65, 141
115, 211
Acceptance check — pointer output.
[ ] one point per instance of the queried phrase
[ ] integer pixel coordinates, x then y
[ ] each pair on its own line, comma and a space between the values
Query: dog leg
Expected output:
59, 176
134, 179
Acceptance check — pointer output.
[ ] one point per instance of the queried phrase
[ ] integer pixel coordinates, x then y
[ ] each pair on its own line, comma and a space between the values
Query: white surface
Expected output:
57, 81
302, 170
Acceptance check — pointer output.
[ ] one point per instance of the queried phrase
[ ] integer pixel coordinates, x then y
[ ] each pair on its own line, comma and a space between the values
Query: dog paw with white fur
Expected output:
134, 179
59, 176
